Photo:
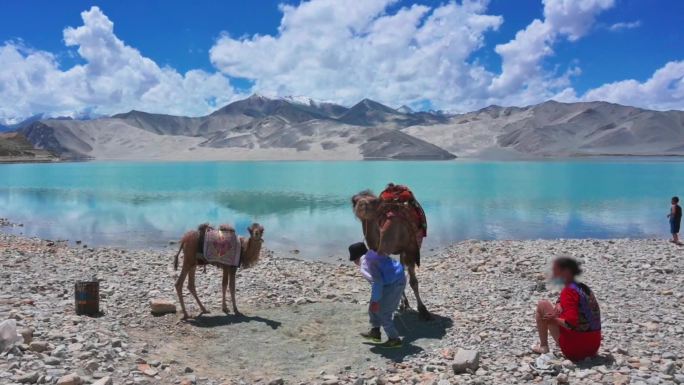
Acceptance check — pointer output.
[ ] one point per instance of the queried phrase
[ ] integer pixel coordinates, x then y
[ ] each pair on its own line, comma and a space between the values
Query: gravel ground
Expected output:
302, 318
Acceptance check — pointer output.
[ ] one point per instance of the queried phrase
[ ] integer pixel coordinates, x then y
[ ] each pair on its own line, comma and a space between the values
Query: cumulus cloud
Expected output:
114, 78
522, 57
422, 56
346, 51
663, 90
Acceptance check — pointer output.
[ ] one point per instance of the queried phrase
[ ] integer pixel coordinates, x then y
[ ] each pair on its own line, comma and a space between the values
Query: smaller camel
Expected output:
250, 250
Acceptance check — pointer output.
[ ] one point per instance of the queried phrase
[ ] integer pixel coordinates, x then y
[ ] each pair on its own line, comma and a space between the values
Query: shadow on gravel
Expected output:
606, 360
294, 343
412, 328
231, 319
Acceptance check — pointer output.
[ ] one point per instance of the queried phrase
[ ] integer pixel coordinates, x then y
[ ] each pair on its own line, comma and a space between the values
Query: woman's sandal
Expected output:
540, 349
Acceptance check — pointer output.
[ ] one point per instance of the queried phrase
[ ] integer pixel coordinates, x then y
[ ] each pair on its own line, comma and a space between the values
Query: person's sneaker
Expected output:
373, 335
392, 343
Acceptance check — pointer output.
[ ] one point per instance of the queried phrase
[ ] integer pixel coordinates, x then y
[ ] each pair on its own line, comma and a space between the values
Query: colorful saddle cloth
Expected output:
398, 200
221, 247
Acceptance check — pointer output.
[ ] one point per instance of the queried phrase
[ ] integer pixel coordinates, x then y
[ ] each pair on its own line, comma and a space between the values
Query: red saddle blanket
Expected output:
398, 200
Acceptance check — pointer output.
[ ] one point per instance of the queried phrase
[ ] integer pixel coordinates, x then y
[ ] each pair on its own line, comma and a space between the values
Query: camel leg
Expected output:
224, 287
179, 288
233, 270
404, 305
413, 281
193, 290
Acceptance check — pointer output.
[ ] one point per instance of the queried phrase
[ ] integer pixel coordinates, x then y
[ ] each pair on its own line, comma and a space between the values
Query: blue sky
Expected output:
585, 49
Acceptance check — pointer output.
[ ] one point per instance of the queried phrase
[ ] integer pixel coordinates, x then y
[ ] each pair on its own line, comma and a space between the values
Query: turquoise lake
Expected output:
305, 205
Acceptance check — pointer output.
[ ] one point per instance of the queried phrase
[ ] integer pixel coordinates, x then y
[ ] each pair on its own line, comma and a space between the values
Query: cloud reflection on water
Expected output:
305, 206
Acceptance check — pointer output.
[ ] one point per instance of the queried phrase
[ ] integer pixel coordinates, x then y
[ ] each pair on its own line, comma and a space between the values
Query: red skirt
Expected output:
577, 346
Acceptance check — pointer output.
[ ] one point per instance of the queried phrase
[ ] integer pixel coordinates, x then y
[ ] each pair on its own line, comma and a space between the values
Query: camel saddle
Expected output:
399, 201
218, 246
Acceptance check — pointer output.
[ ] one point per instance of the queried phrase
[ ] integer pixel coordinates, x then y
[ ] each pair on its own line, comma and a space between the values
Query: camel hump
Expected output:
203, 227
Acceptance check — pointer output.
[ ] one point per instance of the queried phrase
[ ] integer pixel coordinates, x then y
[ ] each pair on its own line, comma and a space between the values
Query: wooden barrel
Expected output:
87, 298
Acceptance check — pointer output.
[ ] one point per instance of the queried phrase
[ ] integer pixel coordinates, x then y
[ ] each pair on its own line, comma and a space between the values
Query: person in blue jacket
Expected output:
388, 280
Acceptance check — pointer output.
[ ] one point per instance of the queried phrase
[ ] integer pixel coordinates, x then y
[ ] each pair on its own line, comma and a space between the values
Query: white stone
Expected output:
69, 379
466, 360
162, 306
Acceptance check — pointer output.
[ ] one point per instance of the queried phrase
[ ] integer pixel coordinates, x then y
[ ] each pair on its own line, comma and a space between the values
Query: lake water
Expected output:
305, 205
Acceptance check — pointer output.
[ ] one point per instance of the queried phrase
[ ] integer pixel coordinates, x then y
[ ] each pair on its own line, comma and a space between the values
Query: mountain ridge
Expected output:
260, 127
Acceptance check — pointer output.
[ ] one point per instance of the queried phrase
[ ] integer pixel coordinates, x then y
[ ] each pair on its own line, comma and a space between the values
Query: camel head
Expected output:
256, 231
365, 205
251, 247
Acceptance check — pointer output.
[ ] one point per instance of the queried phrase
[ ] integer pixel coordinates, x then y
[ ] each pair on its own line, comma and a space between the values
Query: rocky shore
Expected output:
301, 319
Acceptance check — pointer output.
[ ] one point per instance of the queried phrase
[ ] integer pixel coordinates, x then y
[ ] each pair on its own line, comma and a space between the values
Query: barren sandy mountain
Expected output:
553, 129
300, 128
15, 147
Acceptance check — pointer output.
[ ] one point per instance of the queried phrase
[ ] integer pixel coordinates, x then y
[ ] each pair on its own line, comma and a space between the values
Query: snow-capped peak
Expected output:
300, 100
405, 109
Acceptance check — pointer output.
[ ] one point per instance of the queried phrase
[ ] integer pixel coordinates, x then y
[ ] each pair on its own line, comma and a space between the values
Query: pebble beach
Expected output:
302, 318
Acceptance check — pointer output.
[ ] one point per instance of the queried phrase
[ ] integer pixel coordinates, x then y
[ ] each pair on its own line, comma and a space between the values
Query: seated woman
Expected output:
575, 321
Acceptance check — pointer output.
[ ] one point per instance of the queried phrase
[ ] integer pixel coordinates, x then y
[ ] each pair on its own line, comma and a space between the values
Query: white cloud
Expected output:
331, 50
346, 51
663, 90
621, 26
114, 78
523, 56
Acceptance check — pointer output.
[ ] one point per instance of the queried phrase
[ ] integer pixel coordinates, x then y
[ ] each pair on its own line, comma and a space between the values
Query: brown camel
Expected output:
397, 236
251, 247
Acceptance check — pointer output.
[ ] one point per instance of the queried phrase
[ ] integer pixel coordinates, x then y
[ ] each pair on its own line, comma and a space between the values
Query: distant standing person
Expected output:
675, 216
575, 321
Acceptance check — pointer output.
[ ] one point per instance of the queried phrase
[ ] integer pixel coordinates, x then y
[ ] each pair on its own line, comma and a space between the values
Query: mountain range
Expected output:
299, 128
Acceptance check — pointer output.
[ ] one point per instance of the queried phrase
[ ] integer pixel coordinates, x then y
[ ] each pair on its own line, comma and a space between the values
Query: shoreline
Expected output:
464, 158
302, 317
5, 160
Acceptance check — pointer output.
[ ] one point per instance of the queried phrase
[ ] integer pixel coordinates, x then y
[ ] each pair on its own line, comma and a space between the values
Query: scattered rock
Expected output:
28, 378
668, 368
465, 360
27, 334
69, 379
162, 306
562, 378
39, 346
466, 289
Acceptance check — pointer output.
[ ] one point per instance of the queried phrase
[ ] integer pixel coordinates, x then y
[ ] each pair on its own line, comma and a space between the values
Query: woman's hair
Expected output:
567, 263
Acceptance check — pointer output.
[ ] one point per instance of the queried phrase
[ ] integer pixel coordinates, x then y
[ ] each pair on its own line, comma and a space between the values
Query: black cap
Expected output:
357, 251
